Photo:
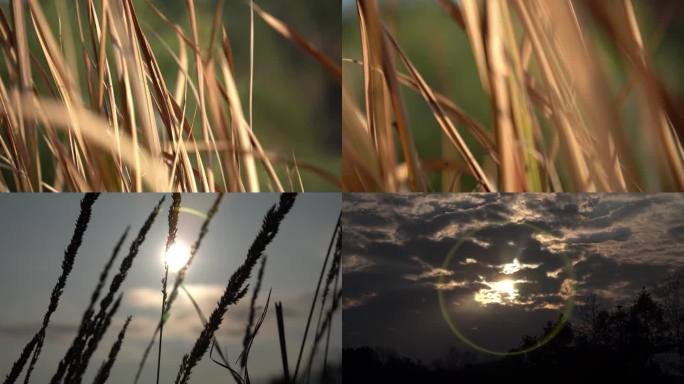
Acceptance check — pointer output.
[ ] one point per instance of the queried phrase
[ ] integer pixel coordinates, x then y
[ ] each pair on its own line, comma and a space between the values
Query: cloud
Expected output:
26, 330
429, 272
515, 258
503, 292
677, 233
617, 234
354, 302
515, 266
184, 322
450, 285
356, 263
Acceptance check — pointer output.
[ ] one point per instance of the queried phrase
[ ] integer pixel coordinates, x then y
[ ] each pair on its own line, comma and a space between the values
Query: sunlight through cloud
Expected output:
498, 292
515, 266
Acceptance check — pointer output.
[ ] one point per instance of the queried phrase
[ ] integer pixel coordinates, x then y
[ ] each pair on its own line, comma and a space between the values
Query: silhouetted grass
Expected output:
178, 281
315, 298
236, 288
283, 341
36, 342
249, 332
103, 372
171, 237
83, 329
96, 321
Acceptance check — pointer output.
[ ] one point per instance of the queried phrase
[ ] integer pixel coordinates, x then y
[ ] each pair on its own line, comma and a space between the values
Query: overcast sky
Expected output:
35, 229
507, 277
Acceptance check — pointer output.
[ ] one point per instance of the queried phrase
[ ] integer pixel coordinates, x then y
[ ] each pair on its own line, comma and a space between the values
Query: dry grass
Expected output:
120, 127
558, 123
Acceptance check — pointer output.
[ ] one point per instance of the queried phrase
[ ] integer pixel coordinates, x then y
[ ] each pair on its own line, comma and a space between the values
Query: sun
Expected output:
498, 292
505, 287
177, 255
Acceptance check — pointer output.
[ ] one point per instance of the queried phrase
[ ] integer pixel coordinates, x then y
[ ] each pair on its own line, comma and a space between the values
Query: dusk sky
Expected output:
36, 228
507, 277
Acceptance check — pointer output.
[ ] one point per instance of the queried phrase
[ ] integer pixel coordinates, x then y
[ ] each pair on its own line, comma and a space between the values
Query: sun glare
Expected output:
177, 255
515, 266
498, 292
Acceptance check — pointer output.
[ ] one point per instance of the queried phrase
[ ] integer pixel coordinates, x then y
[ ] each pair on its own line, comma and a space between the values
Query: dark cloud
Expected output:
542, 245
677, 233
27, 330
617, 234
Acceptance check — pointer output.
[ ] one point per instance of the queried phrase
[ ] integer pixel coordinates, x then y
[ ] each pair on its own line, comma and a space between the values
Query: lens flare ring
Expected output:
568, 304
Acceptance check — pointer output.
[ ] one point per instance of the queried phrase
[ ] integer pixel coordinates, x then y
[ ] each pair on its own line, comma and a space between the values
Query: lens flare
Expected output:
177, 256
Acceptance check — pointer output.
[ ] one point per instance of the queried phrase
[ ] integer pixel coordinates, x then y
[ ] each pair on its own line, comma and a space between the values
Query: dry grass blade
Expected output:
471, 11
101, 64
510, 168
99, 135
553, 74
444, 121
382, 95
360, 162
291, 34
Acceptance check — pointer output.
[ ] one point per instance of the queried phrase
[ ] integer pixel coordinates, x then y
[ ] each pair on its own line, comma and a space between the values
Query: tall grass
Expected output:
178, 281
122, 127
36, 343
558, 123
170, 239
99, 316
236, 288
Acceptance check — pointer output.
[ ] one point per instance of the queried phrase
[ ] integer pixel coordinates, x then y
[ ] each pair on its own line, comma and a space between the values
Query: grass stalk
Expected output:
335, 234
235, 288
170, 239
36, 343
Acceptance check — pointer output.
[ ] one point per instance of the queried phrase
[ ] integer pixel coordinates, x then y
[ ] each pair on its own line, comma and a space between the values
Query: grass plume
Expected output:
83, 329
178, 281
171, 237
36, 342
315, 298
103, 372
236, 289
95, 326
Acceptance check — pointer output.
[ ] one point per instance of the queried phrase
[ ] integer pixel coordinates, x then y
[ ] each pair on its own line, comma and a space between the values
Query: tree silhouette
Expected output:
641, 341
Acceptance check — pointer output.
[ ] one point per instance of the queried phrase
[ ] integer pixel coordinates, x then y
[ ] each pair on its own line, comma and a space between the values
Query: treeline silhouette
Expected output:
640, 342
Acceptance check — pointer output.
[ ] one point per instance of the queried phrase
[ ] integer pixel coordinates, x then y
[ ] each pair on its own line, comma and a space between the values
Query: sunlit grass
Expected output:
85, 103
567, 98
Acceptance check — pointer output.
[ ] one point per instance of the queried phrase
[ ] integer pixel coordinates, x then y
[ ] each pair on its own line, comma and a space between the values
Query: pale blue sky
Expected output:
35, 229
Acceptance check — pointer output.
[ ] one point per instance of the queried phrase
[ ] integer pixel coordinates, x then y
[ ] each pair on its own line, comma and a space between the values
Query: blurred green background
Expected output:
296, 102
440, 50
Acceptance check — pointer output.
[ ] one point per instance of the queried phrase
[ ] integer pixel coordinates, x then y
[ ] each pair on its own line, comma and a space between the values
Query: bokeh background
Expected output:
440, 50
